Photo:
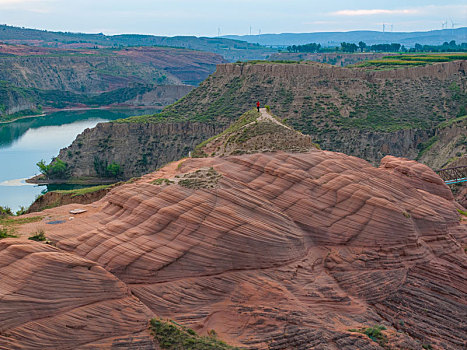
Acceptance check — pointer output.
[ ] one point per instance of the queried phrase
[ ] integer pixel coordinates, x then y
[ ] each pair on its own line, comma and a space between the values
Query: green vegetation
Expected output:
113, 170
57, 169
6, 232
404, 60
462, 212
224, 103
5, 211
269, 62
374, 333
103, 168
8, 224
256, 130
172, 336
311, 47
450, 122
161, 181
393, 47
18, 115
39, 236
202, 178
22, 210
426, 146
378, 119
247, 118
83, 191
445, 47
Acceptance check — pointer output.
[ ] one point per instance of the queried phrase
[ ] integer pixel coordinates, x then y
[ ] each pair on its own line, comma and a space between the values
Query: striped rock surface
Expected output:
287, 250
50, 299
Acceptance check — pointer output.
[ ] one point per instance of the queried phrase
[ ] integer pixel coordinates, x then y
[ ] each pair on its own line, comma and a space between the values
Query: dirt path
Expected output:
266, 117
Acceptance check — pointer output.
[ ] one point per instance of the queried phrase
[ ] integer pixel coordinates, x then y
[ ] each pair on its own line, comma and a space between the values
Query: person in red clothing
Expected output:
257, 105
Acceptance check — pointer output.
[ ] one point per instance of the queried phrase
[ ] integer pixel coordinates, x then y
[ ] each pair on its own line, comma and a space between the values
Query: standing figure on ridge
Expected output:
257, 105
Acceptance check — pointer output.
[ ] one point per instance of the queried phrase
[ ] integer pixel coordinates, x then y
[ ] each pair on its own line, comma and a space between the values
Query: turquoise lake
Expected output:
25, 142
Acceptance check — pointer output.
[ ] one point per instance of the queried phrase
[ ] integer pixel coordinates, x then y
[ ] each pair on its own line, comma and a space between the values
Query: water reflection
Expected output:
10, 132
25, 142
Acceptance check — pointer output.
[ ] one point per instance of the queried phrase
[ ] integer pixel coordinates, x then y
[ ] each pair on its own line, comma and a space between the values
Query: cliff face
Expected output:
447, 146
56, 198
274, 251
133, 76
136, 147
360, 112
13, 101
79, 74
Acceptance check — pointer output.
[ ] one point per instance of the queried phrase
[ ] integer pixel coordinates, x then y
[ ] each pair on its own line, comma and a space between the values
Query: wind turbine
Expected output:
453, 24
444, 25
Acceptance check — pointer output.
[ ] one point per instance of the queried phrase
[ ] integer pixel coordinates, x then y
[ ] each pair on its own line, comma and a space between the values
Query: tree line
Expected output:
394, 47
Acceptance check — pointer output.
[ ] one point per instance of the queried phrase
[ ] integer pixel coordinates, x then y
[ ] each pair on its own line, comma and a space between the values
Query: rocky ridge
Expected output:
360, 112
255, 131
280, 250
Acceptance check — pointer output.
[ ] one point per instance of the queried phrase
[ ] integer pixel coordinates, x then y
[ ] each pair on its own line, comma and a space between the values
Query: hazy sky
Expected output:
205, 17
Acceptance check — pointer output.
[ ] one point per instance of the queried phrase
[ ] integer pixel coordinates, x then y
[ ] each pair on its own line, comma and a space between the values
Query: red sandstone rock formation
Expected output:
286, 251
50, 299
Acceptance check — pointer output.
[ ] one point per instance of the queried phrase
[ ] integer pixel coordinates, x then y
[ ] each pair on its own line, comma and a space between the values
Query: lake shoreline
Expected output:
23, 143
48, 111
40, 180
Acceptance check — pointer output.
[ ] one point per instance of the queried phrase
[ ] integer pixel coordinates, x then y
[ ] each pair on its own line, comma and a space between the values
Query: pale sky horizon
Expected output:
209, 18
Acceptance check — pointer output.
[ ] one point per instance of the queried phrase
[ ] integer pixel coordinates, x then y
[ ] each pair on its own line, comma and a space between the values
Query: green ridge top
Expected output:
255, 131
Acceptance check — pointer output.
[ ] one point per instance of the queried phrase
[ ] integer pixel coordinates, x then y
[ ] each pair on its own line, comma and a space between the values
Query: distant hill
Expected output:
35, 77
231, 50
409, 39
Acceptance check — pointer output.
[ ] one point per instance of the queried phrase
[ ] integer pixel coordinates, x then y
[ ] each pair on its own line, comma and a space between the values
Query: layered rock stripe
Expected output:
287, 251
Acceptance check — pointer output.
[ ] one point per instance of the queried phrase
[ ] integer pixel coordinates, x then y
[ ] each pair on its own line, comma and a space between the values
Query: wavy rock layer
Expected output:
289, 251
55, 300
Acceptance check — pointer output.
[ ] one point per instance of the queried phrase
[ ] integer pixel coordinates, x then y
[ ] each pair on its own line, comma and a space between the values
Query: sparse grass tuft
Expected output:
172, 336
39, 236
6, 232
374, 333
246, 118
202, 178
8, 225
82, 191
161, 181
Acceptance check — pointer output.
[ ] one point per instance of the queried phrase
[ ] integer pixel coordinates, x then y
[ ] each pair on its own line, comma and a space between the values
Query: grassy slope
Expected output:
322, 105
404, 60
